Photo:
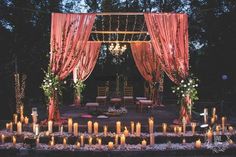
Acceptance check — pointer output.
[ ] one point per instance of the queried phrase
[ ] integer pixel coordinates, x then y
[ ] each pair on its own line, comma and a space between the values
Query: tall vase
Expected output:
53, 108
77, 100
185, 110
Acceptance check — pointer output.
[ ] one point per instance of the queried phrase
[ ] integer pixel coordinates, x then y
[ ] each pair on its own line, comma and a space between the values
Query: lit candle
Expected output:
3, 138
164, 126
26, 120
213, 112
116, 139
132, 127
126, 132
36, 129
52, 142
151, 125
61, 129
184, 124
99, 142
223, 124
198, 144
193, 125
34, 115
70, 123
11, 126
110, 145
231, 129
22, 112
76, 129
209, 135
37, 140
152, 139
90, 140
212, 120
95, 128
47, 133
205, 115
105, 130
175, 129
7, 126
64, 141
122, 139
118, 127
78, 144
183, 141
90, 127
138, 129
179, 130
217, 129
50, 126
22, 118
15, 118
13, 140
143, 144
82, 140
19, 128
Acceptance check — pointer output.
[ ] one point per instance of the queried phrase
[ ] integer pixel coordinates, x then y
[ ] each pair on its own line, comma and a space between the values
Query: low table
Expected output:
146, 103
92, 105
116, 102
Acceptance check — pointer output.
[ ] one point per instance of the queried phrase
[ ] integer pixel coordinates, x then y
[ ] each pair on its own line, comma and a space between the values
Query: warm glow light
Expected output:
116, 49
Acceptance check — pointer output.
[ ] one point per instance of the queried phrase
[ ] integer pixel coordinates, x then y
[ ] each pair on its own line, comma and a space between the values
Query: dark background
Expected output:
25, 35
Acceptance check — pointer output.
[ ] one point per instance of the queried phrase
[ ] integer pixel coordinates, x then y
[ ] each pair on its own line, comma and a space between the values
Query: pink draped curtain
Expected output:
169, 36
87, 61
69, 35
148, 65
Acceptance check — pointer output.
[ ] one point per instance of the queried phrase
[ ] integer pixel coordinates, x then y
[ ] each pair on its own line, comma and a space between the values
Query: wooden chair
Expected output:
128, 95
102, 95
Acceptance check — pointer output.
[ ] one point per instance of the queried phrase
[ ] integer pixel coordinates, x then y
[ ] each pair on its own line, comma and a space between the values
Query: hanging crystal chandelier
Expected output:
116, 49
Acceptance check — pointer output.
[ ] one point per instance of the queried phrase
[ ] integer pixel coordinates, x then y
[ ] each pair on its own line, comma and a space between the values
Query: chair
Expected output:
128, 95
102, 95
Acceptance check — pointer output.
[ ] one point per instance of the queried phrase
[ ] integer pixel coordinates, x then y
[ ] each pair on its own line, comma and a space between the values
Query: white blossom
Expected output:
177, 88
182, 81
185, 85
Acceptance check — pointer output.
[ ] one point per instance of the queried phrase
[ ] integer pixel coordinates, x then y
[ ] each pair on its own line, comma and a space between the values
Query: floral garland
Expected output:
187, 93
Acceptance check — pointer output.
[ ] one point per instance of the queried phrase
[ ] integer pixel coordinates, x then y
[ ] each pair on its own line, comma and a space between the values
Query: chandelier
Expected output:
116, 49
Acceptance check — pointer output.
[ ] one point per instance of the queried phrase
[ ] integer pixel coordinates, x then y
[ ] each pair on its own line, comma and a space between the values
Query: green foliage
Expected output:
79, 87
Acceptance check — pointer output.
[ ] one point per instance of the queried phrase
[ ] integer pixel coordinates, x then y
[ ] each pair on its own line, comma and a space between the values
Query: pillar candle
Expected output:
231, 129
99, 142
126, 132
213, 112
33, 127
193, 125
37, 140
78, 144
64, 141
95, 128
75, 129
90, 127
151, 125
209, 135
152, 139
223, 124
198, 144
19, 128
21, 111
212, 120
3, 138
110, 145
164, 126
122, 139
217, 129
184, 124
13, 140
116, 139
118, 127
15, 118
11, 126
52, 143
7, 126
70, 123
205, 115
132, 127
61, 129
47, 133
143, 144
179, 130
36, 129
50, 123
175, 129
90, 141
138, 129
26, 120
105, 130
22, 118
82, 140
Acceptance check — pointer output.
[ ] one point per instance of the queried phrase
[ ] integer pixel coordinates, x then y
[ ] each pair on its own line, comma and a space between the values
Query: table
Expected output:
146, 103
92, 105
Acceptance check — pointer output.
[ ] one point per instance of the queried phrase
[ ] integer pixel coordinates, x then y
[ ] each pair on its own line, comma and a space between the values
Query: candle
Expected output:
105, 130
64, 141
15, 118
143, 144
122, 139
34, 115
61, 129
132, 127
90, 127
99, 142
78, 144
198, 144
231, 129
151, 125
126, 132
75, 125
22, 111
217, 129
183, 141
205, 115
82, 140
179, 130
175, 129
26, 120
22, 118
95, 128
184, 124
213, 112
193, 125
52, 142
13, 140
116, 139
152, 139
47, 133
164, 126
212, 120
36, 129
7, 126
138, 129
37, 140
209, 135
223, 124
90, 141
3, 138
118, 127
11, 126
50, 123
19, 128
110, 145
70, 123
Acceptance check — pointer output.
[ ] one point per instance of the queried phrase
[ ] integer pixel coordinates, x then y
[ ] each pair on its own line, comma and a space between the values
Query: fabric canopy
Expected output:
169, 37
87, 61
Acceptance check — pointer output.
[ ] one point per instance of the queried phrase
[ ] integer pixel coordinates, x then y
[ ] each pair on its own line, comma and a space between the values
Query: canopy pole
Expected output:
119, 13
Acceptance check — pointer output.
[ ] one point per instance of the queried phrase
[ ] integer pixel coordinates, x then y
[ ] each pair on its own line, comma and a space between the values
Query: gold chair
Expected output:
128, 95
102, 95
